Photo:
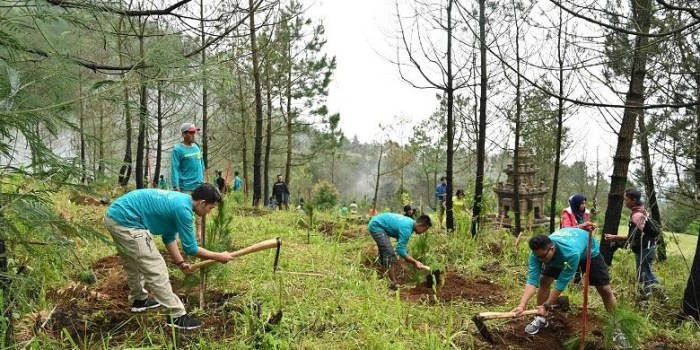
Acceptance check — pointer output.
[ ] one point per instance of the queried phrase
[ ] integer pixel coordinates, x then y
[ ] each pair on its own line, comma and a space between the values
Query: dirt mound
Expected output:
456, 286
346, 231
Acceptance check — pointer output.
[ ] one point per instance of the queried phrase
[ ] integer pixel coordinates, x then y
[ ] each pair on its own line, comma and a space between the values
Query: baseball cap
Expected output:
634, 194
188, 127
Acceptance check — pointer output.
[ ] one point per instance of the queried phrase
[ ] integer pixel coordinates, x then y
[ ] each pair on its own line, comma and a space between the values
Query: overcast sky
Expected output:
366, 88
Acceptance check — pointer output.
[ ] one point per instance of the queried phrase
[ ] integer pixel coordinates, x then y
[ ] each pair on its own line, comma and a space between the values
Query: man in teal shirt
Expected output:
134, 218
236, 182
187, 162
561, 253
386, 225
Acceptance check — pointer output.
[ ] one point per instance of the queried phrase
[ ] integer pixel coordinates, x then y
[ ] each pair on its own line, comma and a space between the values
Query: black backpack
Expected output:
648, 236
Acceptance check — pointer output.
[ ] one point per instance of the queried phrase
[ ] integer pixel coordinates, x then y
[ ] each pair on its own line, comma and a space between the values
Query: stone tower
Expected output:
531, 194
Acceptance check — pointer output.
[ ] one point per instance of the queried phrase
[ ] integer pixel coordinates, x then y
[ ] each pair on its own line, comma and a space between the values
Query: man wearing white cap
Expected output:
187, 165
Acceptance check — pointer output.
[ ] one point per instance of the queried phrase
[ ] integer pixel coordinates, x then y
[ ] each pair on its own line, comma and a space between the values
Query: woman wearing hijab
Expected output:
576, 214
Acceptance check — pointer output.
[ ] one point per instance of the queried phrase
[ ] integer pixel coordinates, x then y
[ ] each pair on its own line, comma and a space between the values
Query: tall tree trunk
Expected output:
481, 139
268, 131
560, 127
691, 296
257, 150
518, 114
290, 116
159, 131
101, 144
81, 119
379, 174
143, 113
205, 96
125, 170
649, 187
634, 101
696, 170
449, 221
244, 135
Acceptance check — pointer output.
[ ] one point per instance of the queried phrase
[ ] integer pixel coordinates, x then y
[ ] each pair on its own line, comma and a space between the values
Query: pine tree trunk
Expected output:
560, 126
268, 132
481, 139
159, 131
691, 296
143, 113
449, 220
633, 102
379, 174
125, 170
257, 147
650, 189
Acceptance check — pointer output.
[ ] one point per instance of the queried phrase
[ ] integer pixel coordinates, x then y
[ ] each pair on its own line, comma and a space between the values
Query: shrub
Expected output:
325, 196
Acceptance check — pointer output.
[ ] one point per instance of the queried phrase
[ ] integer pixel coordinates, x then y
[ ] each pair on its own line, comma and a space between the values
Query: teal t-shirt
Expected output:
237, 183
396, 226
165, 213
571, 245
187, 167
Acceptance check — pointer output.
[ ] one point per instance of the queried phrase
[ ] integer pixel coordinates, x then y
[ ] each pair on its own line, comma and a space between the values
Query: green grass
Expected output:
350, 307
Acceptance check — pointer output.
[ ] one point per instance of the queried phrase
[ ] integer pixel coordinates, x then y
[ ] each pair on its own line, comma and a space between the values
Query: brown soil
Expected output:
100, 312
456, 286
346, 231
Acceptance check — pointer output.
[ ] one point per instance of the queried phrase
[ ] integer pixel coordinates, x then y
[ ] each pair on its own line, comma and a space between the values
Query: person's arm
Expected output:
528, 291
175, 169
174, 253
286, 189
419, 265
566, 220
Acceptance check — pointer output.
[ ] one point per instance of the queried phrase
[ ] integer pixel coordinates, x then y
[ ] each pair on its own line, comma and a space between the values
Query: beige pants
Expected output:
143, 264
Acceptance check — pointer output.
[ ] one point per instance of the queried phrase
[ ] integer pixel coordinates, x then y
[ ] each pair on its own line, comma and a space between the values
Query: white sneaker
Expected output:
538, 323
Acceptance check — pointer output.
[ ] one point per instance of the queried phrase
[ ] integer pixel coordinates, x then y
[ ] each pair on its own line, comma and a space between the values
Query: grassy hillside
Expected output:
331, 296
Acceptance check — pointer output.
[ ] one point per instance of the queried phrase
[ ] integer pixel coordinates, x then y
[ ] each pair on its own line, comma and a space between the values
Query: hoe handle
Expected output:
496, 315
268, 244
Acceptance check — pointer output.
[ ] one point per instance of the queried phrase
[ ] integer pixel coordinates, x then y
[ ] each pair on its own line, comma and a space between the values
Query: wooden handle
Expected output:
268, 244
496, 315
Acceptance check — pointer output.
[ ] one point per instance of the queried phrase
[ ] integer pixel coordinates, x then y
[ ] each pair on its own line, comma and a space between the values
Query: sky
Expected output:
366, 88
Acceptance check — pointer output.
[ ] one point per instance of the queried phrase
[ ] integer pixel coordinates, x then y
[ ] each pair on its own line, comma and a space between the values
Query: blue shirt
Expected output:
440, 191
187, 167
571, 245
396, 226
165, 213
236, 183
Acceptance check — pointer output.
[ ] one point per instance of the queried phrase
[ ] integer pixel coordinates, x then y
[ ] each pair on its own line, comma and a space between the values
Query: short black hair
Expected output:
635, 195
407, 208
235, 173
424, 220
443, 178
208, 192
539, 242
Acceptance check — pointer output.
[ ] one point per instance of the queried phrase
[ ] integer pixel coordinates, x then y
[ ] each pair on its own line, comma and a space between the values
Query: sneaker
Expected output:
538, 323
620, 339
185, 322
143, 305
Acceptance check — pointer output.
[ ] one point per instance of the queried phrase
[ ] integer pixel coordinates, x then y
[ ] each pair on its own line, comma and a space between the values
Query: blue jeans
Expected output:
387, 256
643, 260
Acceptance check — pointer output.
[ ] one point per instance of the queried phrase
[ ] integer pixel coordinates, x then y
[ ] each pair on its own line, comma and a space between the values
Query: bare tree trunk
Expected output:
696, 170
101, 144
633, 102
449, 220
481, 139
159, 131
691, 296
244, 135
205, 97
268, 132
125, 170
649, 187
560, 126
143, 114
290, 117
379, 174
257, 150
81, 118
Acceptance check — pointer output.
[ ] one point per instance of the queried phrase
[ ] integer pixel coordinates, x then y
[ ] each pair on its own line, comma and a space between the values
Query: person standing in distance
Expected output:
237, 183
281, 192
187, 165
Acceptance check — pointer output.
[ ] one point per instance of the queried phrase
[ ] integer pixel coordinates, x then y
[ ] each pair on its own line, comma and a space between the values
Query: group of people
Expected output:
555, 257
459, 204
134, 218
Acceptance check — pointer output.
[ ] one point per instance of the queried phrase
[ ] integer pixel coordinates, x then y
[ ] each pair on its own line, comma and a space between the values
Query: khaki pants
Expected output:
143, 264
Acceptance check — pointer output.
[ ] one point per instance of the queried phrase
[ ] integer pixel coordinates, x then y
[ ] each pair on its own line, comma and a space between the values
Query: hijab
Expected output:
575, 202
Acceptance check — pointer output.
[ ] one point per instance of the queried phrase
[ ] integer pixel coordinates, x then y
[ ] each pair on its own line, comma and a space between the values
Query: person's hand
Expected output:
185, 268
518, 310
588, 226
611, 237
223, 257
420, 266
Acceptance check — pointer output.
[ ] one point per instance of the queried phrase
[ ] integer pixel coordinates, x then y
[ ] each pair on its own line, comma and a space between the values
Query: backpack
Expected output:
648, 236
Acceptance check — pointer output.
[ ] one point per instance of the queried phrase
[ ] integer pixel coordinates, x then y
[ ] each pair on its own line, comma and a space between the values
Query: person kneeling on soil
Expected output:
386, 225
561, 253
132, 220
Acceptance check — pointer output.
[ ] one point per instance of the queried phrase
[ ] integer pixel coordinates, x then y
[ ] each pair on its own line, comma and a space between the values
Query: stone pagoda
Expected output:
531, 194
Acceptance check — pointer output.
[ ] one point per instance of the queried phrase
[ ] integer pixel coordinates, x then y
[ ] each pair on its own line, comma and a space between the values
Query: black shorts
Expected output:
598, 277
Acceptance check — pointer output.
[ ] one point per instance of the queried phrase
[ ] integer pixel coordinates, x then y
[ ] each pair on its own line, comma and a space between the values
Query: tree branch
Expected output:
128, 13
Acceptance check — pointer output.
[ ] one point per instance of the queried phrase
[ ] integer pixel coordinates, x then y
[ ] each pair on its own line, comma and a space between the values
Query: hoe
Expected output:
268, 244
562, 304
